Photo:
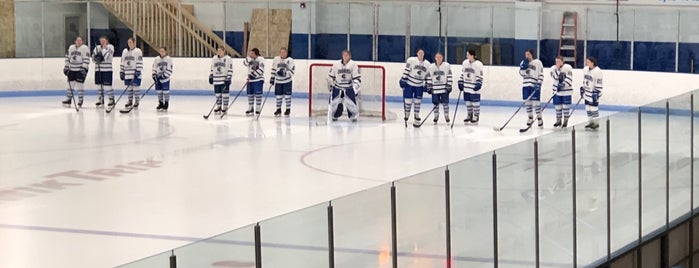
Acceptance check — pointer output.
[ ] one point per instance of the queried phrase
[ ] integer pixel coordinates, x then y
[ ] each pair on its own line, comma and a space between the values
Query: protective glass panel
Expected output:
393, 30
556, 198
160, 260
363, 228
680, 156
516, 213
471, 185
624, 173
468, 27
591, 178
421, 214
232, 248
653, 166
297, 239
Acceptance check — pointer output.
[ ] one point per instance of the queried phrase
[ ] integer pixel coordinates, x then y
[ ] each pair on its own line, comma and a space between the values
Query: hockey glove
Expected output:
448, 88
137, 75
211, 79
98, 57
66, 70
461, 85
271, 80
582, 92
227, 83
83, 73
560, 87
478, 86
403, 83
251, 77
429, 89
122, 75
155, 77
524, 64
595, 96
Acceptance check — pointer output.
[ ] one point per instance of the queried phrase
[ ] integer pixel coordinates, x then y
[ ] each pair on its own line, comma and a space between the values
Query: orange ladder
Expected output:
567, 48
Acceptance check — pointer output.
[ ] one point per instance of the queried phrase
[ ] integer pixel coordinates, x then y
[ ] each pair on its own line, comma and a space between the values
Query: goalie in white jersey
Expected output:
439, 84
283, 69
102, 56
162, 70
413, 84
76, 66
344, 81
470, 83
131, 68
562, 75
532, 72
591, 90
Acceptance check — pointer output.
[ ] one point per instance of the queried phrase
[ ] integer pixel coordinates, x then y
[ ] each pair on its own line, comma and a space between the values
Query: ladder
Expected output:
567, 48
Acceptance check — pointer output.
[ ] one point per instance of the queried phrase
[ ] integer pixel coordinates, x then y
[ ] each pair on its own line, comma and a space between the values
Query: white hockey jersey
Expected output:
256, 68
533, 75
438, 77
556, 73
131, 61
346, 75
163, 67
471, 74
415, 71
108, 55
592, 82
285, 67
78, 58
221, 69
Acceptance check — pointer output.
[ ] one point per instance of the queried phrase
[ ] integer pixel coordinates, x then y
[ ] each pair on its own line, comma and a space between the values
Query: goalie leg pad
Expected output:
335, 102
350, 101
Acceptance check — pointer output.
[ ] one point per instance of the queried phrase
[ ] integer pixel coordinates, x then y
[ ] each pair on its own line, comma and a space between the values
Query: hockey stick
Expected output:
513, 115
263, 103
231, 103
117, 101
456, 109
142, 95
522, 130
72, 95
99, 70
405, 117
428, 116
206, 116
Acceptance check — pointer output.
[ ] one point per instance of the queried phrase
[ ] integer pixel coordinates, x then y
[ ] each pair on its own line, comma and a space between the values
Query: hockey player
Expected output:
131, 68
76, 66
162, 70
471, 82
531, 70
256, 79
591, 90
344, 82
562, 75
413, 84
439, 80
220, 76
102, 56
283, 69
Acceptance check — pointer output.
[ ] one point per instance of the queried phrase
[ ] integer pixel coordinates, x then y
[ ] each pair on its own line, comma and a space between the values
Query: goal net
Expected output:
372, 94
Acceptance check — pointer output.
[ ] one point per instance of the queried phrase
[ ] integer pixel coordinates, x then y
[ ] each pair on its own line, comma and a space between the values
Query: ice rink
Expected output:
89, 189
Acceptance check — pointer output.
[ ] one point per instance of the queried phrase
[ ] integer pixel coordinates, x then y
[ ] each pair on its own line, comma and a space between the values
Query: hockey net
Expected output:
372, 94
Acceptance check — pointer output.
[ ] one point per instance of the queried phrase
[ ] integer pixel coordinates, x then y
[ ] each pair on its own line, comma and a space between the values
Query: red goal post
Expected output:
371, 99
